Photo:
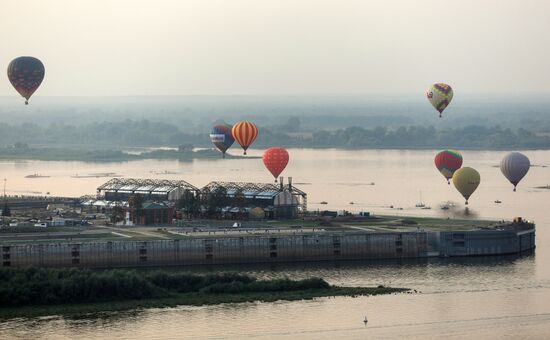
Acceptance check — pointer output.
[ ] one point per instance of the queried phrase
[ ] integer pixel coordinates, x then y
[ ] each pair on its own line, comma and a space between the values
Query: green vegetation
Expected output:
111, 136
23, 151
64, 289
422, 137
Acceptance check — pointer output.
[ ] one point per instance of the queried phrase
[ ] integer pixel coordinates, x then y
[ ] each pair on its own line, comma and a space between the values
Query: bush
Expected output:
40, 286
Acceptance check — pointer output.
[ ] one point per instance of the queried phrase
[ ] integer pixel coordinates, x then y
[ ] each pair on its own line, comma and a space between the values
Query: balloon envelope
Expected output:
447, 162
515, 166
275, 160
440, 96
221, 137
26, 75
245, 133
466, 180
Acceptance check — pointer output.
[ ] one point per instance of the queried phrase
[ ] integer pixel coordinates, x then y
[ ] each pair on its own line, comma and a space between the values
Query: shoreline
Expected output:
193, 299
53, 153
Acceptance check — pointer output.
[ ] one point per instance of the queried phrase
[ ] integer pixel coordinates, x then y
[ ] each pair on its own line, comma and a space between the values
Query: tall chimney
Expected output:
290, 184
281, 183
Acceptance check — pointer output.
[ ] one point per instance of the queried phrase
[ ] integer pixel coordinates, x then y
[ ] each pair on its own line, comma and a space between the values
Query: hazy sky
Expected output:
156, 47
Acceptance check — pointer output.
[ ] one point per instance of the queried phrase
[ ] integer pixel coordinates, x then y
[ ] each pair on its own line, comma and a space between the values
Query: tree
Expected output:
216, 200
117, 214
136, 201
189, 203
239, 200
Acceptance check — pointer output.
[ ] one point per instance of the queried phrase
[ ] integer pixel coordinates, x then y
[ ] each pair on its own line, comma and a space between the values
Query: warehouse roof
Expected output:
148, 186
251, 190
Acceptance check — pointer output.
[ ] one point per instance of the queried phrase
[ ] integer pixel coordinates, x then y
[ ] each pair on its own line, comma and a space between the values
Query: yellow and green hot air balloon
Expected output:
466, 180
440, 96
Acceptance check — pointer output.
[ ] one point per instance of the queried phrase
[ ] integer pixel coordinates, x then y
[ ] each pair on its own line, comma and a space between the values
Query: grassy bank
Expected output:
104, 155
33, 292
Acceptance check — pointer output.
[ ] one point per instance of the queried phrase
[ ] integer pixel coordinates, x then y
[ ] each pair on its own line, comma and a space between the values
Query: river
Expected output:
493, 297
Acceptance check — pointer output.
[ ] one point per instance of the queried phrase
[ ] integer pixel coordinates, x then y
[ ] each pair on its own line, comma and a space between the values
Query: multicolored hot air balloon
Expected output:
447, 162
222, 137
440, 96
26, 75
466, 180
515, 166
275, 160
245, 133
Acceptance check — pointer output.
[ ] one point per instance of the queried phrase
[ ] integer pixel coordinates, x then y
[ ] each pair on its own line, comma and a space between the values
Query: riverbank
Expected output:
106, 155
35, 292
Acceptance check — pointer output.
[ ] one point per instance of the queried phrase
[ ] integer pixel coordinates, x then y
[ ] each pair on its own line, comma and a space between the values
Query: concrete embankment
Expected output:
271, 248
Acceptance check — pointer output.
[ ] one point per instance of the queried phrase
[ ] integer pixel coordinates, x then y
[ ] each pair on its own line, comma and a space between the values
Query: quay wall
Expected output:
269, 248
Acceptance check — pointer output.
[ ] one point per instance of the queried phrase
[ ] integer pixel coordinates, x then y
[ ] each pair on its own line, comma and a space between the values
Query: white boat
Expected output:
420, 204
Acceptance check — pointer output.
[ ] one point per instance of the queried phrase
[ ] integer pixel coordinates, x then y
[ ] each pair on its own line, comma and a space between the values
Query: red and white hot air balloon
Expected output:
275, 160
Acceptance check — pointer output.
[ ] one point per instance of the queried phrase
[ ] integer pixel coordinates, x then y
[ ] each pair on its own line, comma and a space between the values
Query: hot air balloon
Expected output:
222, 137
447, 162
440, 96
515, 166
26, 75
245, 133
466, 180
275, 160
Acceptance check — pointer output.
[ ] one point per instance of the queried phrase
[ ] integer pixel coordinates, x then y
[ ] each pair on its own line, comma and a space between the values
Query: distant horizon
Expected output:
290, 95
247, 47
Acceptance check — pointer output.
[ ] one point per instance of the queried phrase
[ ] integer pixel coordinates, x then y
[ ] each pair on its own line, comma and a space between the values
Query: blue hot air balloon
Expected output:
222, 137
515, 166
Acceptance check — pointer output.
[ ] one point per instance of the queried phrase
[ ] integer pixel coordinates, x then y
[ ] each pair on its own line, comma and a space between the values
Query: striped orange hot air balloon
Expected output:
245, 133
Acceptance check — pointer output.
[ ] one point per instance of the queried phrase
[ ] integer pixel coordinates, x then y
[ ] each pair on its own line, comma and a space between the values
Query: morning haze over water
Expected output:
133, 101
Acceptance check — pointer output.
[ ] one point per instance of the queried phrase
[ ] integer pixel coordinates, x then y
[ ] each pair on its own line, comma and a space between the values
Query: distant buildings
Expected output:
160, 199
121, 189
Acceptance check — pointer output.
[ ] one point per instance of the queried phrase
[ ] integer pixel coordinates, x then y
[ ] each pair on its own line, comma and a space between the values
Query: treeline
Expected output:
24, 151
477, 137
39, 286
290, 133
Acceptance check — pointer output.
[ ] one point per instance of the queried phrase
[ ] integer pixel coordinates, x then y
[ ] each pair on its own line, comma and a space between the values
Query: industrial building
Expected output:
278, 201
121, 189
148, 213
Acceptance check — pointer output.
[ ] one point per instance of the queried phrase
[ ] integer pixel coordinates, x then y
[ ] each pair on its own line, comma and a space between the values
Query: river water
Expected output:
493, 297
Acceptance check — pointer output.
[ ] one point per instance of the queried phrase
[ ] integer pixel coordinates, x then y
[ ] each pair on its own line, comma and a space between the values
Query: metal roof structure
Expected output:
267, 190
256, 190
146, 186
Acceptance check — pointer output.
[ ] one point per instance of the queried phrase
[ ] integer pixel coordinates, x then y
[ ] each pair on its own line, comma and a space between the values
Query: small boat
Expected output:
365, 320
36, 176
324, 202
426, 208
498, 201
420, 204
445, 207
351, 202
